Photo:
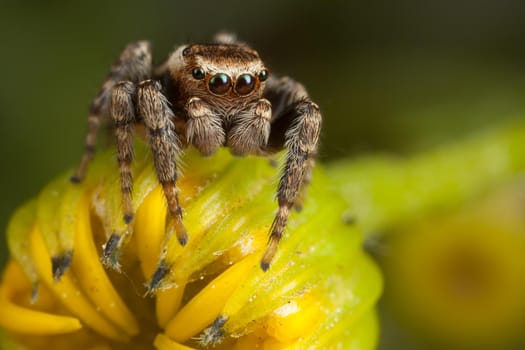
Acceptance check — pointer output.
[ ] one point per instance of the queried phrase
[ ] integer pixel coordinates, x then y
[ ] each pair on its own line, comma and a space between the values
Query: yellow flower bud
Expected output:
319, 292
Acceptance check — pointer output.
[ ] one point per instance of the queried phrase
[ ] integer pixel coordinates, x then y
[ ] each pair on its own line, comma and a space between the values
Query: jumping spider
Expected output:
206, 95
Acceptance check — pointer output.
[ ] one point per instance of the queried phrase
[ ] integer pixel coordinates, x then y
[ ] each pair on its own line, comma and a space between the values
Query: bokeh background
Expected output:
397, 77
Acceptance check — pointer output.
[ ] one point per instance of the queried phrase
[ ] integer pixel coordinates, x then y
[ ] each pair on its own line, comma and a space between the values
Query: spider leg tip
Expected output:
60, 264
128, 218
75, 179
214, 334
183, 240
265, 266
111, 252
158, 277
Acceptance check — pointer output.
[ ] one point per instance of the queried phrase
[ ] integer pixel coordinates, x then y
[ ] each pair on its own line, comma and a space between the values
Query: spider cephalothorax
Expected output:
217, 89
207, 95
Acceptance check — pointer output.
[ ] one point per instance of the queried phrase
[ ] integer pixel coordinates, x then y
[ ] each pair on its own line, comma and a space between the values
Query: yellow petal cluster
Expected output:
320, 291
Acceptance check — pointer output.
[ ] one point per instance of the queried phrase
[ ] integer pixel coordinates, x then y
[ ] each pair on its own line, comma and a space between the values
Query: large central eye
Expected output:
245, 84
220, 83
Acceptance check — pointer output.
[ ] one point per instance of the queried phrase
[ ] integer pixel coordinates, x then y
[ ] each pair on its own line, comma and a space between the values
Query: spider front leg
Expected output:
165, 146
122, 111
302, 124
123, 115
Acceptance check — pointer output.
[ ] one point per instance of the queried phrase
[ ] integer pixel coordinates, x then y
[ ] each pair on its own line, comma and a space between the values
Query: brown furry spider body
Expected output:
210, 95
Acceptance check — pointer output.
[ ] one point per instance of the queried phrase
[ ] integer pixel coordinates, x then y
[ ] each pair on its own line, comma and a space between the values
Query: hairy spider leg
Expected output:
153, 110
123, 115
158, 118
296, 125
122, 111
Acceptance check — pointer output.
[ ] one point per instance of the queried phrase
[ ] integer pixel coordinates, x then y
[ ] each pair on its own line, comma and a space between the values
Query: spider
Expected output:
208, 96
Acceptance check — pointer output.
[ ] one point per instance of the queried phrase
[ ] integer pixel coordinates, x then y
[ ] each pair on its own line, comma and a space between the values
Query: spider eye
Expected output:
186, 51
263, 75
220, 83
245, 84
198, 73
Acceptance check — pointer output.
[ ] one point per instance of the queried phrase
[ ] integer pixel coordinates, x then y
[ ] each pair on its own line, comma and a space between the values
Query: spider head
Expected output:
221, 73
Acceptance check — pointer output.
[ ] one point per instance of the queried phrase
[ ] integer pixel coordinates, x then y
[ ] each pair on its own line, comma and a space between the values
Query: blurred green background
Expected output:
395, 77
